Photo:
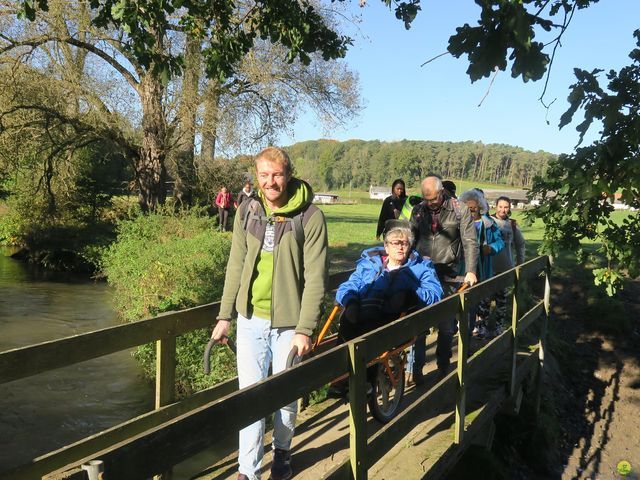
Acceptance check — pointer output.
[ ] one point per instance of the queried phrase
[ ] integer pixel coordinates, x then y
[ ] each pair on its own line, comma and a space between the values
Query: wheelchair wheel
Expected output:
386, 394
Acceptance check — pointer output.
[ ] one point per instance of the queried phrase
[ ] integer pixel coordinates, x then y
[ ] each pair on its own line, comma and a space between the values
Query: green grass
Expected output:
351, 228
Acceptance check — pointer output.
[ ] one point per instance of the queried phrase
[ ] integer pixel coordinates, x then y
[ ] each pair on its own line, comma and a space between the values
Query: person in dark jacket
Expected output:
246, 193
445, 233
392, 205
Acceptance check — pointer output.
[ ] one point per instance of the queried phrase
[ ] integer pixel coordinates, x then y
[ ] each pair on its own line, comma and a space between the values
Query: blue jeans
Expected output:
446, 330
258, 345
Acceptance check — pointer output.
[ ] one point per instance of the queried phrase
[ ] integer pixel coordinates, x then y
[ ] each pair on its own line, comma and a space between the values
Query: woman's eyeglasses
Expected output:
398, 243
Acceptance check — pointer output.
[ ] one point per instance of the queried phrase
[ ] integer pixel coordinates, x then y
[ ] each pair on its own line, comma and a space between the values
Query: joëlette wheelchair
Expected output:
385, 372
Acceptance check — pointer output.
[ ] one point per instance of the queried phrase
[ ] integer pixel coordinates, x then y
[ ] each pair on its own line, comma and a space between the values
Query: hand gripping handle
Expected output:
207, 351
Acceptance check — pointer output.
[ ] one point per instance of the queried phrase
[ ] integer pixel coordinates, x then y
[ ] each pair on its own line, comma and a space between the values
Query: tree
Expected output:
154, 48
577, 189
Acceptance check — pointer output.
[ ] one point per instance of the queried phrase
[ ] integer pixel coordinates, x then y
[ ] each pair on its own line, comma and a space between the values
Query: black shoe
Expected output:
338, 389
443, 371
418, 378
281, 465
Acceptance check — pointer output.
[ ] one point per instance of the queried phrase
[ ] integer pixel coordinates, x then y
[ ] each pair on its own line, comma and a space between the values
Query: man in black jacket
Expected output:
445, 232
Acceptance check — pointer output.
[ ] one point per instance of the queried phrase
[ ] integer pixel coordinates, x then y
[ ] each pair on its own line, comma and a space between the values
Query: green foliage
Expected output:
578, 190
329, 164
165, 261
168, 261
227, 35
505, 33
62, 223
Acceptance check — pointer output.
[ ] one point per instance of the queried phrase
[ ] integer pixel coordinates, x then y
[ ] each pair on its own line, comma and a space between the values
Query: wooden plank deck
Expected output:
321, 444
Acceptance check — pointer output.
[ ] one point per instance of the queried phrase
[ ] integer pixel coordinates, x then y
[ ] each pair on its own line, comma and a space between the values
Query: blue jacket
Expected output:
488, 234
371, 280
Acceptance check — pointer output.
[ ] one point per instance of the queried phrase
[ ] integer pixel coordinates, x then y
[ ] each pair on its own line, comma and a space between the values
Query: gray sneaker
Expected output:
281, 466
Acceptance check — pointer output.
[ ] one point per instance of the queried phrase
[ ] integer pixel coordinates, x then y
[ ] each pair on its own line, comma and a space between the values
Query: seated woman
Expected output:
387, 281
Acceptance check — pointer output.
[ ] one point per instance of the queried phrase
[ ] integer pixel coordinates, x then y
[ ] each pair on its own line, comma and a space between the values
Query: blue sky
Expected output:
438, 101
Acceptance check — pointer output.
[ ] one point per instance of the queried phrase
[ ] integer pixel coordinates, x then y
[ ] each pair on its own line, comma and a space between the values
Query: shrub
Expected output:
169, 261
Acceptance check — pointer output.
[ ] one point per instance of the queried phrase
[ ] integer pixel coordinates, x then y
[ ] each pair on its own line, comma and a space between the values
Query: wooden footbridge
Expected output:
334, 440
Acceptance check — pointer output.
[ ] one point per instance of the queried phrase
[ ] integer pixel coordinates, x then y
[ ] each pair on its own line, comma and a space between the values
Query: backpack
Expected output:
250, 210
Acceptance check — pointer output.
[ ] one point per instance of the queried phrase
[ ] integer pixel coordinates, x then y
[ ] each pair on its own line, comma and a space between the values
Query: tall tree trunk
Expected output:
151, 174
183, 168
210, 121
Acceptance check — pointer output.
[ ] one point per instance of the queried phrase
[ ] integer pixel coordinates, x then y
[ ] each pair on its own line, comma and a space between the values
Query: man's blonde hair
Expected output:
276, 155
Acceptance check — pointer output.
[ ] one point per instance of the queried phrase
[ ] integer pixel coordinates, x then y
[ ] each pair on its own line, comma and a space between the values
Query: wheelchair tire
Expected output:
384, 400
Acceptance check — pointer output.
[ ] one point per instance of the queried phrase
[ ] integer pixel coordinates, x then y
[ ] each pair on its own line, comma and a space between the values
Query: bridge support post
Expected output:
463, 353
543, 335
517, 300
165, 380
358, 410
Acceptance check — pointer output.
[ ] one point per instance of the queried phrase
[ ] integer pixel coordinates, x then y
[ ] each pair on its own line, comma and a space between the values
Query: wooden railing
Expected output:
152, 443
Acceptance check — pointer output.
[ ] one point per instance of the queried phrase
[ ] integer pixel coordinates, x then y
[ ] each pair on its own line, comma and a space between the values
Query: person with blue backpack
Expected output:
490, 243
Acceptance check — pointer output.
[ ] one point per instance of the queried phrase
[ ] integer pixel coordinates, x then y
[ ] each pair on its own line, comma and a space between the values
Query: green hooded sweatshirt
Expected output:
286, 280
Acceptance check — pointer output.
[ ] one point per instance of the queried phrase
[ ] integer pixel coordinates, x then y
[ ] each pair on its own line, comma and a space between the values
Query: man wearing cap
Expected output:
445, 233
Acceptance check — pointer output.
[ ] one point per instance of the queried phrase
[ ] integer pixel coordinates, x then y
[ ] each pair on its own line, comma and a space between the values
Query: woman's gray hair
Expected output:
475, 194
400, 231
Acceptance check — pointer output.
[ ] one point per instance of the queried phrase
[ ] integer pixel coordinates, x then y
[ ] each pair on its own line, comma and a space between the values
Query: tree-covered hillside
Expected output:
330, 164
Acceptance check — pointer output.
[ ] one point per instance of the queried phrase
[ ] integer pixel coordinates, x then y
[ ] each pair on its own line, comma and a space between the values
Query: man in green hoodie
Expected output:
275, 281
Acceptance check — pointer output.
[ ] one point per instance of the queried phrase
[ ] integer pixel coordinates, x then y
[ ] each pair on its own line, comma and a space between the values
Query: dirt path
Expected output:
600, 418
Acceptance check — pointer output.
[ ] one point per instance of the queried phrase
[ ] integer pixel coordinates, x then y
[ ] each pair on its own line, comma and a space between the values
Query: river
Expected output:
47, 411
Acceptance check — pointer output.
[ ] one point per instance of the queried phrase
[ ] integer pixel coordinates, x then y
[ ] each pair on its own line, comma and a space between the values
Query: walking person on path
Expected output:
246, 193
490, 243
275, 282
445, 233
513, 243
392, 205
223, 202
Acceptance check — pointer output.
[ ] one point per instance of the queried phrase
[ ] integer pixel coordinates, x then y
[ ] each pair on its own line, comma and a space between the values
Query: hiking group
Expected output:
277, 274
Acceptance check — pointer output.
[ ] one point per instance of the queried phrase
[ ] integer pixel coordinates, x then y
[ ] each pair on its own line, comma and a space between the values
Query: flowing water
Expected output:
44, 412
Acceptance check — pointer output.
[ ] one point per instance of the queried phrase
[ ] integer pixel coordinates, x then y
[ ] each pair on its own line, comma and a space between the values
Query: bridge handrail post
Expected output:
165, 380
542, 343
358, 409
462, 317
515, 316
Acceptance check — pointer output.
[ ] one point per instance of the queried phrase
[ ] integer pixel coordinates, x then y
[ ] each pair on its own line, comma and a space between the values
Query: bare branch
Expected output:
495, 74
37, 42
435, 58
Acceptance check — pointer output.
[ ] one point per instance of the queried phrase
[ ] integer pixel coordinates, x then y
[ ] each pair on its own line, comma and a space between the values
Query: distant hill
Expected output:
330, 164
